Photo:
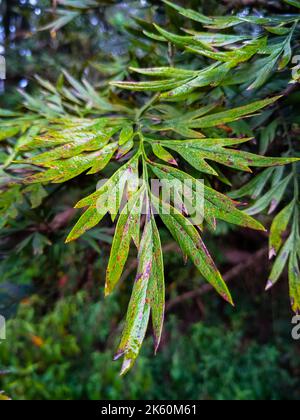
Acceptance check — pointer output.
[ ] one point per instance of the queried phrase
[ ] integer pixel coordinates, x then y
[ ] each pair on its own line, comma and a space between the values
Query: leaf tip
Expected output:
228, 298
69, 239
127, 365
119, 354
259, 226
107, 291
78, 205
156, 344
272, 253
269, 285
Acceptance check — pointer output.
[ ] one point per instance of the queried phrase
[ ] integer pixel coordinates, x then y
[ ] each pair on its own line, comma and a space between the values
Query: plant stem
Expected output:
147, 105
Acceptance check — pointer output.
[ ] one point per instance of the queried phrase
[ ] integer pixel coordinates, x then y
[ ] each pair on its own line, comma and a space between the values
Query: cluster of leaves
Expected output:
191, 122
68, 10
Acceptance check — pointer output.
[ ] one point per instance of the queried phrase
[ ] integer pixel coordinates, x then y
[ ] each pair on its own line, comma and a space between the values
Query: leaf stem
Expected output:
147, 105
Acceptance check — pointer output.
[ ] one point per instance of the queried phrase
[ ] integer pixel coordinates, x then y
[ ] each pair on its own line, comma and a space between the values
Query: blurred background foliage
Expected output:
61, 332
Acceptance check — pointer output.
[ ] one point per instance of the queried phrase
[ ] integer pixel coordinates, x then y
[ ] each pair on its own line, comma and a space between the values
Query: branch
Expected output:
230, 275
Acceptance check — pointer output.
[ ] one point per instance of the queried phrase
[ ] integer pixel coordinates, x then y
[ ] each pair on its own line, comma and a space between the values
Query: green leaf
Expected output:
121, 243
187, 236
8, 132
255, 187
179, 39
90, 218
189, 13
157, 287
217, 39
279, 226
148, 295
139, 307
70, 149
277, 30
225, 22
233, 114
268, 135
8, 113
168, 72
10, 200
294, 281
286, 57
272, 198
71, 129
280, 262
213, 75
36, 195
107, 199
64, 170
180, 123
126, 134
216, 205
221, 207
66, 16
157, 86
197, 152
266, 70
293, 3
163, 154
103, 158
233, 57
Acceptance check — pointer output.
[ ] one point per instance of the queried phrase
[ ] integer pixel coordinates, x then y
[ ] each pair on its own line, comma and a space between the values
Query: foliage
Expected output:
66, 355
192, 127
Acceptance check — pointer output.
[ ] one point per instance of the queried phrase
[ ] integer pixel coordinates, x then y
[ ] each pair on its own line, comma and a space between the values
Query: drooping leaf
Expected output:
187, 236
272, 198
216, 205
280, 262
294, 281
279, 226
255, 187
139, 307
122, 239
157, 287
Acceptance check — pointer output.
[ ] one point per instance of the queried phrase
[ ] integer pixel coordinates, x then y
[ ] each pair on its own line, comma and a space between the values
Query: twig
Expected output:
230, 275
292, 87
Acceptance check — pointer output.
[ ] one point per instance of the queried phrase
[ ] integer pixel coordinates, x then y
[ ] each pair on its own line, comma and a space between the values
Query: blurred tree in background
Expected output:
61, 333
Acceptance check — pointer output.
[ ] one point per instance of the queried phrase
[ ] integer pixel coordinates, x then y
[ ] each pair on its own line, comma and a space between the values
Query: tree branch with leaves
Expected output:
194, 120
